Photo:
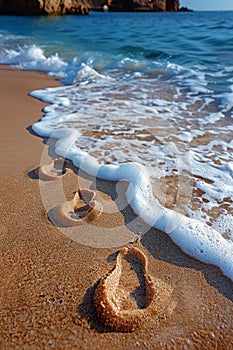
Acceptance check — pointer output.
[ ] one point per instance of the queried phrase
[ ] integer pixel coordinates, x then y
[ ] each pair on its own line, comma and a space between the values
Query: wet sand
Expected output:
49, 274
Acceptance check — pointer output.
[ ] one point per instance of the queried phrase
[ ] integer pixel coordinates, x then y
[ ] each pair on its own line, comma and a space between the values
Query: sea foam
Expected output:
194, 237
33, 58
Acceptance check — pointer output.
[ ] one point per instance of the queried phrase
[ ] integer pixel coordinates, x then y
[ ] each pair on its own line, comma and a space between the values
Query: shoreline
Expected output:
48, 279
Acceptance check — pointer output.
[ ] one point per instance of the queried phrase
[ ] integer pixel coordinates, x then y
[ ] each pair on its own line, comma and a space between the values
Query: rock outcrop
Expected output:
136, 5
172, 5
20, 7
63, 7
43, 7
143, 5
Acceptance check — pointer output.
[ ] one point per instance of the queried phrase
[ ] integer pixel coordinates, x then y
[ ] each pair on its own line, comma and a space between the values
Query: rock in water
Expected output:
64, 7
21, 7
172, 5
82, 7
143, 5
43, 7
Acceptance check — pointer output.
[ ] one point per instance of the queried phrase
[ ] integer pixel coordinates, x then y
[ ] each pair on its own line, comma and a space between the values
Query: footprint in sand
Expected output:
125, 301
53, 170
82, 208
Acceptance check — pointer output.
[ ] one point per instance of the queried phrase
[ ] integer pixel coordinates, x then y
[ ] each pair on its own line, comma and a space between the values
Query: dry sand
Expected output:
48, 280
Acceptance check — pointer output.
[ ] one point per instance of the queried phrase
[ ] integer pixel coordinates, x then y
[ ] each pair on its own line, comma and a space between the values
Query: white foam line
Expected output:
194, 237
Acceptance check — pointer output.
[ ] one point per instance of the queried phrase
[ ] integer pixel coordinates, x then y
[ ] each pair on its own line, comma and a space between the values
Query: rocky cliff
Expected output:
172, 5
63, 7
136, 5
43, 7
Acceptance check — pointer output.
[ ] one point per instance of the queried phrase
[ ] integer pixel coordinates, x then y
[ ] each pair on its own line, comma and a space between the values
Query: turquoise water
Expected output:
150, 88
187, 39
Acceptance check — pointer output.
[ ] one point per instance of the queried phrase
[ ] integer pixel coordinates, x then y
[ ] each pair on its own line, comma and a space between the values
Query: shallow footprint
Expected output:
125, 304
82, 208
53, 170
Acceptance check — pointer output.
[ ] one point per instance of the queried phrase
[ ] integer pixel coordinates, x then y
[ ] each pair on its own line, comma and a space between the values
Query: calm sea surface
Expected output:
152, 88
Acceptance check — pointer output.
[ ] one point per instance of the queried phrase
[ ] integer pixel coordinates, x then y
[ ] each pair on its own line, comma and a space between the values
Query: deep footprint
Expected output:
127, 297
82, 208
134, 286
53, 170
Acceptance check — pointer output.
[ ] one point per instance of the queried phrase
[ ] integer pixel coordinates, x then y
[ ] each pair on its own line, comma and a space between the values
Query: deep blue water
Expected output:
185, 38
201, 41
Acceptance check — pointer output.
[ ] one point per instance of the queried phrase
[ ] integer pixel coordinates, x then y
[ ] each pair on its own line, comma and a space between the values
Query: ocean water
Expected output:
148, 98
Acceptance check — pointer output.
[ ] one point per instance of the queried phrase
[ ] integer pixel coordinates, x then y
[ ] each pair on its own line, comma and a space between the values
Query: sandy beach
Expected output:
49, 275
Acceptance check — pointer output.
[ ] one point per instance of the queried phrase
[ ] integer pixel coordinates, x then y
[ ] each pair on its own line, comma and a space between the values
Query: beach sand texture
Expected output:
49, 279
